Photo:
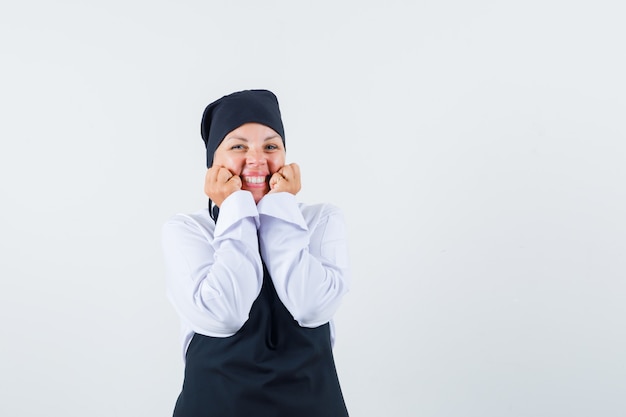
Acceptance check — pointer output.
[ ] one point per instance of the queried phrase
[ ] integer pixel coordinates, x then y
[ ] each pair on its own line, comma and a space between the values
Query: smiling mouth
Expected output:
255, 180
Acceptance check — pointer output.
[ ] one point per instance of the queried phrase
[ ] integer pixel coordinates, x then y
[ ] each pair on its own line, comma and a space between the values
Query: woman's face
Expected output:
254, 152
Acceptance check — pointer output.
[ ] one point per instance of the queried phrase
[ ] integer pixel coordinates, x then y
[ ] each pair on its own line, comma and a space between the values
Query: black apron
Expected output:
272, 367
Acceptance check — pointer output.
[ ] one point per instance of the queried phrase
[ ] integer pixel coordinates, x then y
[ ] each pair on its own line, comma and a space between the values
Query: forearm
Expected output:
309, 267
212, 281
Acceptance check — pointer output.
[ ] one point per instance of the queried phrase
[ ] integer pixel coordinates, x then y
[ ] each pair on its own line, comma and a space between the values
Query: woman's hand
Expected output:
219, 183
287, 179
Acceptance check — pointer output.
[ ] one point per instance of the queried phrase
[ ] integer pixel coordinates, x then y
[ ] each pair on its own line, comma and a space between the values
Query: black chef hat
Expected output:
231, 111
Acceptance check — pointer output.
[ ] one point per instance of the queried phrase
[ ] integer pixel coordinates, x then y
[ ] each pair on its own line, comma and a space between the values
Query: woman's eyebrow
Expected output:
236, 138
246, 140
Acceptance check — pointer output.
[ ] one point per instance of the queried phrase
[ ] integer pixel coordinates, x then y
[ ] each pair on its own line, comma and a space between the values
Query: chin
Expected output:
258, 196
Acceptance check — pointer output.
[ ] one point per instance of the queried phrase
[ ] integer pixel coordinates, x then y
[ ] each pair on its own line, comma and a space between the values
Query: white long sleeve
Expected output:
306, 254
213, 272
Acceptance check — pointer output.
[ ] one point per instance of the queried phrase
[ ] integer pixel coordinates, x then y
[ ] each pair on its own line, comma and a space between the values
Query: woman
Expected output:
257, 278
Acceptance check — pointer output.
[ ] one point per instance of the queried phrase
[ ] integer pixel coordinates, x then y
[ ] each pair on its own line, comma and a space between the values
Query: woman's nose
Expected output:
255, 157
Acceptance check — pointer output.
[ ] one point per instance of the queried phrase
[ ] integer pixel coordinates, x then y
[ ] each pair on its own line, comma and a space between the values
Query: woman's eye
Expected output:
235, 147
271, 147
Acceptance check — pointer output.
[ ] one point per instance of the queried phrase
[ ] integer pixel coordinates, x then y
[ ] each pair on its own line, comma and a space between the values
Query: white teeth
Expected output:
255, 180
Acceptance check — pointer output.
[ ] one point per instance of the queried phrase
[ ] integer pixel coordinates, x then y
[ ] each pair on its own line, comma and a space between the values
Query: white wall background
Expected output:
477, 148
